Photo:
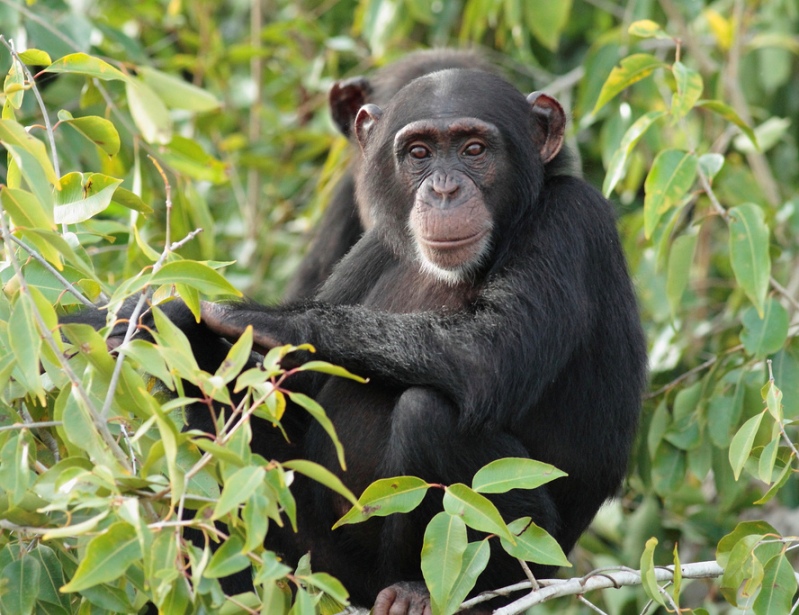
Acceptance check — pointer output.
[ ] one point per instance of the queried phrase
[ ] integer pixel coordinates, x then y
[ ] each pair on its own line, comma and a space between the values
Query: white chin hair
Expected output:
448, 276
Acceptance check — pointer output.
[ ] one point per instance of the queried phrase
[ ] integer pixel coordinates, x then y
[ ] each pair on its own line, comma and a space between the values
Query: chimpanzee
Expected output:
490, 307
343, 222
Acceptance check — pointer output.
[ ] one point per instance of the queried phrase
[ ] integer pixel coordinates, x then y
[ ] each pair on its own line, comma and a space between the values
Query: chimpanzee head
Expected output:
453, 163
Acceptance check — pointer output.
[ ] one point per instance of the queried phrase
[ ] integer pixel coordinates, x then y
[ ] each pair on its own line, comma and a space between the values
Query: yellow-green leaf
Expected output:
633, 68
96, 129
178, 93
648, 580
149, 113
477, 511
25, 209
387, 496
195, 274
444, 545
689, 89
82, 196
84, 64
534, 544
671, 177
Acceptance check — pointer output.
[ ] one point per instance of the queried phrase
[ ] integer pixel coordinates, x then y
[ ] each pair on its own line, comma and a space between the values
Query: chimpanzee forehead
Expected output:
458, 93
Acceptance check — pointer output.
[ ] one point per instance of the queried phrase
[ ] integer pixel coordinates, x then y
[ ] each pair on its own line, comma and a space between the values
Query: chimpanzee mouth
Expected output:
454, 244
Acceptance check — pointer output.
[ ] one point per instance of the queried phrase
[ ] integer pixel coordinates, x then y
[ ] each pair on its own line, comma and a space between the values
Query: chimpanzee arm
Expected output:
502, 351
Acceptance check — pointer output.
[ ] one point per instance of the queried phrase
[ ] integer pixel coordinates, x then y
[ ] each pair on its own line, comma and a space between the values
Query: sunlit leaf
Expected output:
227, 559
646, 28
671, 177
633, 68
729, 114
475, 561
387, 496
689, 90
534, 544
318, 413
442, 556
742, 442
95, 129
35, 57
323, 476
82, 196
477, 511
618, 163
177, 92
779, 587
197, 275
648, 580
514, 473
25, 209
149, 113
83, 64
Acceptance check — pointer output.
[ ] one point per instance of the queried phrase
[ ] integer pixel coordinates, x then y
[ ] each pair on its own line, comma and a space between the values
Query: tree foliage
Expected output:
159, 149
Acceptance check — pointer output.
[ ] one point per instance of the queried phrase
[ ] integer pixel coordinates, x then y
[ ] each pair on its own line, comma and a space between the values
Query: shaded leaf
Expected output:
766, 335
749, 254
107, 557
22, 577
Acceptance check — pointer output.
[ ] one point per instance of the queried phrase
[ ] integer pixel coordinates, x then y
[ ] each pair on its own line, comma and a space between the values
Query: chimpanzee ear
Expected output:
551, 121
345, 98
365, 121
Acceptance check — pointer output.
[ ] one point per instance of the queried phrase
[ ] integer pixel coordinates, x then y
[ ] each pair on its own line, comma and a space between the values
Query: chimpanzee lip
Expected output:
454, 244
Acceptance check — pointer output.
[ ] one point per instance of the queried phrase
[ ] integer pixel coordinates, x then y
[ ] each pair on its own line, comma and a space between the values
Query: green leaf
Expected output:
22, 577
238, 488
729, 114
646, 28
767, 135
30, 155
82, 196
618, 163
52, 577
743, 529
475, 561
546, 19
534, 544
194, 274
671, 177
35, 57
25, 342
633, 68
177, 93
149, 113
773, 398
316, 411
778, 589
689, 89
768, 458
387, 496
749, 255
514, 473
711, 164
107, 557
126, 198
14, 86
766, 335
83, 64
477, 511
648, 580
228, 559
679, 268
668, 469
327, 368
742, 442
323, 476
25, 209
328, 584
443, 549
96, 129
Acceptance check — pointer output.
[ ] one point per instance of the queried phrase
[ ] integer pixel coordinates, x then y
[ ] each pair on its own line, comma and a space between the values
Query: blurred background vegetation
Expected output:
253, 157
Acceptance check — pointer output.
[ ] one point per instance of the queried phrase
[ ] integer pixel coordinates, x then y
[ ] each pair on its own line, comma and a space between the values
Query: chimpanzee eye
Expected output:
475, 148
419, 152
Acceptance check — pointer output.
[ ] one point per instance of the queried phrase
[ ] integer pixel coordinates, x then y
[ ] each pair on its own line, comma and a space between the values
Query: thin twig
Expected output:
53, 271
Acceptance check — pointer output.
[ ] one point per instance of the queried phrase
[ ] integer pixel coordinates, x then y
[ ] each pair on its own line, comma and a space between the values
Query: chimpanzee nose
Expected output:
443, 185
